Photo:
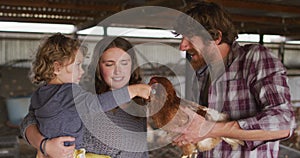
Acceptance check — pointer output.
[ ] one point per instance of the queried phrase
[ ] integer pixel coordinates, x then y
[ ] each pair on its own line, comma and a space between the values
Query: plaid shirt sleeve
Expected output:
268, 84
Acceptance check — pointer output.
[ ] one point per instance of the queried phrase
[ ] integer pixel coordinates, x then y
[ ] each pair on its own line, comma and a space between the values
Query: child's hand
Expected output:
141, 90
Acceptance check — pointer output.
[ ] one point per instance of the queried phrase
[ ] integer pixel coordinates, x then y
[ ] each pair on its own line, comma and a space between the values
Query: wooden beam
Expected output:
40, 20
87, 24
78, 14
265, 20
71, 6
177, 4
257, 29
258, 6
293, 37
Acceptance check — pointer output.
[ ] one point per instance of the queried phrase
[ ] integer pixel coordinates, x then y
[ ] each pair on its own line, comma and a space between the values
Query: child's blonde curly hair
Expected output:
56, 48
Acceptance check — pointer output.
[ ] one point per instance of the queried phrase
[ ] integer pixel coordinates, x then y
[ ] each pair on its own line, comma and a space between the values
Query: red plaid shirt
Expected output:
253, 91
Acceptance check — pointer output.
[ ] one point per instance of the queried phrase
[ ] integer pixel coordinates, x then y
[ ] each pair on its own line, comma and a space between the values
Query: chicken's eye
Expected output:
153, 91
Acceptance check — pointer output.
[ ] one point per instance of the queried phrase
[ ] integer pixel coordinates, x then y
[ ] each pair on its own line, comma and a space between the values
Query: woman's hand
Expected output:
40, 154
141, 90
55, 147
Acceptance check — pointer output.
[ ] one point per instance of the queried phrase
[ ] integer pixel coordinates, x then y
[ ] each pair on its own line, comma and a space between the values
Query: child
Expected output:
57, 66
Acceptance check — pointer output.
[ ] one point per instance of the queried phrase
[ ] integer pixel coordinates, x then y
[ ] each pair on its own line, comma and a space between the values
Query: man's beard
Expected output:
197, 63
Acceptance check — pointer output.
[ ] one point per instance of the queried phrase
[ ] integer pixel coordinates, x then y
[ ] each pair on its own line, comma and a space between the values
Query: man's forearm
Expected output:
232, 130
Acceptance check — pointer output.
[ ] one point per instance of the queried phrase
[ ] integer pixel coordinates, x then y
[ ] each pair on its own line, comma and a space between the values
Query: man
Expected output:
250, 86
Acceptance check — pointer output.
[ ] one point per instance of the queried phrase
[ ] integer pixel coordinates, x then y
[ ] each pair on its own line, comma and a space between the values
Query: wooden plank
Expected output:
71, 6
258, 6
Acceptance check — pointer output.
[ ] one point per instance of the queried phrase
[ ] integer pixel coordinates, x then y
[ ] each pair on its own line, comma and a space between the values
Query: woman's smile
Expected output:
117, 78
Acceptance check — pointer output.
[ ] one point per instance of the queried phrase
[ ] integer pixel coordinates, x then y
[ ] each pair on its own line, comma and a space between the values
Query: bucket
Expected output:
17, 109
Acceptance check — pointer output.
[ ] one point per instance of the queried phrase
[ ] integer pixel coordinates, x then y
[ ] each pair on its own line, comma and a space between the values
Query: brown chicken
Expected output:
166, 115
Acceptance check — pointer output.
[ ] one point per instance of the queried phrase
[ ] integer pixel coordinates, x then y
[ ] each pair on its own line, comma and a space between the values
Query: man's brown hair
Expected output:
213, 19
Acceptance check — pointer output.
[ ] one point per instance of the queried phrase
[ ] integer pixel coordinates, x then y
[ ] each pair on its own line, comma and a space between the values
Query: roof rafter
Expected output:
45, 4
258, 6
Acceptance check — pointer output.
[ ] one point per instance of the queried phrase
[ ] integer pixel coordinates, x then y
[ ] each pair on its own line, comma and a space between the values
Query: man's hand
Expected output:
194, 131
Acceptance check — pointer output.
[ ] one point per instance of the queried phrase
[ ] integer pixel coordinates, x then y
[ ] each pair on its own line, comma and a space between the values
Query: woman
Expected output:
117, 133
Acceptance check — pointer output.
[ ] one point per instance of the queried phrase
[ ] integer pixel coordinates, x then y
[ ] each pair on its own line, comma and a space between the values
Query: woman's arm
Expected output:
54, 147
108, 100
33, 136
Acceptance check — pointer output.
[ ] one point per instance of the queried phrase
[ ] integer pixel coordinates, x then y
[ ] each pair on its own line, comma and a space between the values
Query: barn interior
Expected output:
148, 24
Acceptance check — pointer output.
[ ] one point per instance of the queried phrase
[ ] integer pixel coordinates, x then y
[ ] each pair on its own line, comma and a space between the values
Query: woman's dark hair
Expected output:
103, 45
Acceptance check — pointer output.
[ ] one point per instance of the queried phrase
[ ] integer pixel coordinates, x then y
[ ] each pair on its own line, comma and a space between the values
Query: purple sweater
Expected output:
59, 109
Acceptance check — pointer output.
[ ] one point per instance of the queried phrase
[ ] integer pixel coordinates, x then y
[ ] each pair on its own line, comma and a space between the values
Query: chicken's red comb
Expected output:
153, 80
